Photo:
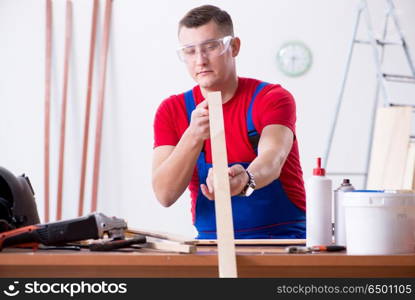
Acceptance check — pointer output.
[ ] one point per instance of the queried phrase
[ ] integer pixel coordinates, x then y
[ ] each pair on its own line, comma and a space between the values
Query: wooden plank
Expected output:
48, 88
170, 247
256, 242
162, 235
389, 148
68, 46
88, 106
223, 209
185, 240
100, 109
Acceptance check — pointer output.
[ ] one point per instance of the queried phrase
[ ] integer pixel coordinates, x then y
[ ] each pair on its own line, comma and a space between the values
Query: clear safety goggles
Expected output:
209, 49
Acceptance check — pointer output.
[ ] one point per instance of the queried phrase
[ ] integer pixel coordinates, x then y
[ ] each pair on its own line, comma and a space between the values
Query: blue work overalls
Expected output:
267, 213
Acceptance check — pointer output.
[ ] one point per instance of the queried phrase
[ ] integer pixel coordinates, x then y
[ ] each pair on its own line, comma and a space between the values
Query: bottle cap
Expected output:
319, 171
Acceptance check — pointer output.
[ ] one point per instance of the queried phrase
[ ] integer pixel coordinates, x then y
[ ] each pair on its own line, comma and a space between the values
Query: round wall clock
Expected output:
294, 58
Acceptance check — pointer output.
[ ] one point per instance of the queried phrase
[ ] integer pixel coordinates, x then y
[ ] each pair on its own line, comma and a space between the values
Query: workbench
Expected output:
259, 261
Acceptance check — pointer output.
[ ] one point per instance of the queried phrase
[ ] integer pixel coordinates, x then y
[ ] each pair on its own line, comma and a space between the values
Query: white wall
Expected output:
143, 70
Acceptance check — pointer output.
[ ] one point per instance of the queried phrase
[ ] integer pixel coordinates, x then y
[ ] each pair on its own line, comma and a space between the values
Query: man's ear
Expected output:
236, 46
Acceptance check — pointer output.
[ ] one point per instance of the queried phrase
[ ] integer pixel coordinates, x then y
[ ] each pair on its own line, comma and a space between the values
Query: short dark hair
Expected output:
202, 15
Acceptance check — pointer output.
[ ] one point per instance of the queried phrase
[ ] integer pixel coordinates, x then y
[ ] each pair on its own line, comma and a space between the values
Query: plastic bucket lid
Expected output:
376, 198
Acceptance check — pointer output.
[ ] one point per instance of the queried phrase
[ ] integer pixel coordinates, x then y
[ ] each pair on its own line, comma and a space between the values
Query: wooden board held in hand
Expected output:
223, 208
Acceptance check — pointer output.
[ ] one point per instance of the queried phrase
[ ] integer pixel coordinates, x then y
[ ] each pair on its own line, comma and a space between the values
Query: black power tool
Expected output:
17, 201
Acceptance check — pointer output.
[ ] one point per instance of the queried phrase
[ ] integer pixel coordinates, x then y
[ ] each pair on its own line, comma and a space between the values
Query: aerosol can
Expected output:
339, 216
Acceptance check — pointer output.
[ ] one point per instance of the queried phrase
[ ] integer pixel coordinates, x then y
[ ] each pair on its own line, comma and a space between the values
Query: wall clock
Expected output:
294, 58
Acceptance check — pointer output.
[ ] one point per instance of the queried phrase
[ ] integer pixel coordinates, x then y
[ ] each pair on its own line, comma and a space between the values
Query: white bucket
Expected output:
379, 222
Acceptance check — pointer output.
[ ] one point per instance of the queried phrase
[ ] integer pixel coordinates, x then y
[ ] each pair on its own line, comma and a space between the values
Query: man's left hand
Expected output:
238, 178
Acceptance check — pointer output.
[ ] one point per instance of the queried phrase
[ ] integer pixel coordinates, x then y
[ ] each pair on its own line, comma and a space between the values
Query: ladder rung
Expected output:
399, 78
379, 42
397, 104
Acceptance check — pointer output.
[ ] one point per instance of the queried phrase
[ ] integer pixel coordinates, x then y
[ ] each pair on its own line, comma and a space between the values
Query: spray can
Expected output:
339, 215
318, 208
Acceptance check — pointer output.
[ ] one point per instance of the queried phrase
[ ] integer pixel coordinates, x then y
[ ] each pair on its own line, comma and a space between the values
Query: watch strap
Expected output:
250, 184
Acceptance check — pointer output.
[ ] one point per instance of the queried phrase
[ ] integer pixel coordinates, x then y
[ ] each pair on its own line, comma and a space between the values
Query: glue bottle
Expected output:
318, 208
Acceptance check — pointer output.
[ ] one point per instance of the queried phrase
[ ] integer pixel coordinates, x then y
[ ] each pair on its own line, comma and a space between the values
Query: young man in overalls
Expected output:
265, 176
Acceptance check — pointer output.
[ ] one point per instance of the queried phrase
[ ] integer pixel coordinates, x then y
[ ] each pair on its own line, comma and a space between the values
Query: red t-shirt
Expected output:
273, 105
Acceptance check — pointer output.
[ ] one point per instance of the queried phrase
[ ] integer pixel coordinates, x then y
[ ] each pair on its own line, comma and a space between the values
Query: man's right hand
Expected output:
179, 161
199, 124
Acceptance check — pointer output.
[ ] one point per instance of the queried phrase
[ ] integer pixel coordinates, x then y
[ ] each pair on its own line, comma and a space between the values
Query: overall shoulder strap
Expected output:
189, 102
253, 135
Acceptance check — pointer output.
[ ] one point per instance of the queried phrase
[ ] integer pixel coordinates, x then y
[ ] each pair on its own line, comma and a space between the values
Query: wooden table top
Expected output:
251, 261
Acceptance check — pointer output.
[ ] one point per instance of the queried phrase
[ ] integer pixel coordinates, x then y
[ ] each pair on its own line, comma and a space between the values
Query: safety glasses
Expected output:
209, 49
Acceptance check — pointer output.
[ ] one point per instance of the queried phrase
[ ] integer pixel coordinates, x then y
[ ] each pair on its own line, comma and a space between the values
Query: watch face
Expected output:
294, 59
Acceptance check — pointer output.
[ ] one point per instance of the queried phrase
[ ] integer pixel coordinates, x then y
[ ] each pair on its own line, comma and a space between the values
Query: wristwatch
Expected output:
249, 187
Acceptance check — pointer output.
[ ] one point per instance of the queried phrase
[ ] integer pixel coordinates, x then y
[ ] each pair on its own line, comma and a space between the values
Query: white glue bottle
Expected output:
318, 208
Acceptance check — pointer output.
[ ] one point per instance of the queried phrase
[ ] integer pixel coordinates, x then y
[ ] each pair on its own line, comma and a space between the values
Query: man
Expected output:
265, 176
